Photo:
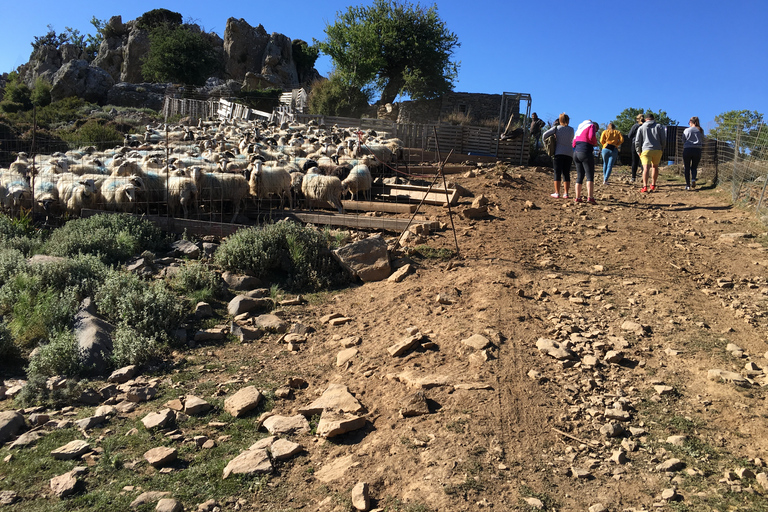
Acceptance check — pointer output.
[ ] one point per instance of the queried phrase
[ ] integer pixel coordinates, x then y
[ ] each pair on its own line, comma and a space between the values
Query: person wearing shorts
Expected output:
650, 141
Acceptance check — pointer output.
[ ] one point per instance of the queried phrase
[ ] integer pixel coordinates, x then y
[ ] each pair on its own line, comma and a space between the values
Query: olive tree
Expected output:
393, 48
626, 118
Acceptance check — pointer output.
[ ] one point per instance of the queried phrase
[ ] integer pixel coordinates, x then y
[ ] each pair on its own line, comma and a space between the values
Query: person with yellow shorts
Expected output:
650, 141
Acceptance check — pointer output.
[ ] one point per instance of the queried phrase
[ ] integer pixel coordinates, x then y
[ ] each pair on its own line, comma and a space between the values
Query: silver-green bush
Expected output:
114, 238
286, 252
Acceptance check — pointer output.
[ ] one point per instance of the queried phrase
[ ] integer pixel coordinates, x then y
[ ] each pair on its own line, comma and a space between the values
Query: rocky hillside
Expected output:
251, 58
574, 357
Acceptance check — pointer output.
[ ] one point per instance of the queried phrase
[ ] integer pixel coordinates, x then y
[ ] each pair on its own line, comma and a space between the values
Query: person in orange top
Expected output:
611, 140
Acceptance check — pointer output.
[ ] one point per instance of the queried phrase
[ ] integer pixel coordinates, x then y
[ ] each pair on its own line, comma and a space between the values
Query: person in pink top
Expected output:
584, 142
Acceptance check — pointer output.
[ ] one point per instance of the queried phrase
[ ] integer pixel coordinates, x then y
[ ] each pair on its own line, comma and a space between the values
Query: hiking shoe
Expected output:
644, 190
591, 200
687, 188
554, 196
693, 184
565, 196
578, 200
653, 187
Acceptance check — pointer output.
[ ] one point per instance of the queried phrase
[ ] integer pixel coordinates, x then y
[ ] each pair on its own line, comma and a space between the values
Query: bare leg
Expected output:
566, 187
654, 174
590, 189
645, 175
578, 190
557, 187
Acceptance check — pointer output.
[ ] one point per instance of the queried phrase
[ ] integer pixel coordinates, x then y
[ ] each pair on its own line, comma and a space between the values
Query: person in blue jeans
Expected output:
611, 139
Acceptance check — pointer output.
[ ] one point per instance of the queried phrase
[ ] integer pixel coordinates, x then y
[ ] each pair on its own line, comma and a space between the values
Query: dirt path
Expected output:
570, 272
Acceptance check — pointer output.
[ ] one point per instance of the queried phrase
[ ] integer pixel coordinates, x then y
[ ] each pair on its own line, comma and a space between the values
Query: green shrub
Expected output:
12, 262
8, 349
41, 94
149, 309
296, 255
114, 238
60, 356
131, 347
333, 97
197, 281
180, 54
20, 234
36, 311
83, 274
36, 392
158, 18
95, 132
43, 298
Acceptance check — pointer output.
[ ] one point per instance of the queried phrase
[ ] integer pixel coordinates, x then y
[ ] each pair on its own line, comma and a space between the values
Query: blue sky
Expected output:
587, 58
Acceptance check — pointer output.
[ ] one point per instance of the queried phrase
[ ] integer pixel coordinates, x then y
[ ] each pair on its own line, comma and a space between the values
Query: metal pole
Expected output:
445, 187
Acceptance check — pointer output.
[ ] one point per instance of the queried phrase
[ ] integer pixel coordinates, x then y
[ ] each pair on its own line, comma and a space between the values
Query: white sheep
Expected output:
76, 192
318, 187
119, 193
270, 180
359, 180
126, 168
46, 193
218, 187
15, 190
182, 194
20, 165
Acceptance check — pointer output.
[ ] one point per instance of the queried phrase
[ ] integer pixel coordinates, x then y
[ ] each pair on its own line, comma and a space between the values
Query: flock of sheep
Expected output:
202, 171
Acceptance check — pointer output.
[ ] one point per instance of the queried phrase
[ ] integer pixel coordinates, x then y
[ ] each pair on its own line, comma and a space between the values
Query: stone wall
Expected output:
477, 106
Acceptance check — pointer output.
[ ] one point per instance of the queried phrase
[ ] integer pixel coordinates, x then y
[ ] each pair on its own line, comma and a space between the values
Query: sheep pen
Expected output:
226, 171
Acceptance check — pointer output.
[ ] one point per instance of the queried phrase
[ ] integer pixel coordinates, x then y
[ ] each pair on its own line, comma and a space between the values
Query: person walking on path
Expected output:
584, 143
631, 137
693, 143
563, 154
650, 142
611, 139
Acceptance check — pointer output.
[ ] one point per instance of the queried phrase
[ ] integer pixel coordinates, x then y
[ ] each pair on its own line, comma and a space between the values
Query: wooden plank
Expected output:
377, 206
433, 169
353, 221
435, 196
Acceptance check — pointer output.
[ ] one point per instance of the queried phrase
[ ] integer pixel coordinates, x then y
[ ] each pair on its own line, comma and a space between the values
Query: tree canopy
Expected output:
744, 128
393, 48
87, 44
177, 53
626, 118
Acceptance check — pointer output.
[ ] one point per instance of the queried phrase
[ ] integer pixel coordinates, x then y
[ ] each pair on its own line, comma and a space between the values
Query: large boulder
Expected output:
140, 95
94, 337
110, 56
366, 259
243, 48
78, 78
134, 53
10, 424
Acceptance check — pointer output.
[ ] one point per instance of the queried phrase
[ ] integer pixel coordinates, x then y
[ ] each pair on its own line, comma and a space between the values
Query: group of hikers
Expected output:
648, 141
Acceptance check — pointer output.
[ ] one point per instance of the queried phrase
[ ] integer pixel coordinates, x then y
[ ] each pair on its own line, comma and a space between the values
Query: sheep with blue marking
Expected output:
359, 180
120, 193
318, 187
15, 191
76, 192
